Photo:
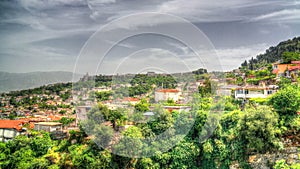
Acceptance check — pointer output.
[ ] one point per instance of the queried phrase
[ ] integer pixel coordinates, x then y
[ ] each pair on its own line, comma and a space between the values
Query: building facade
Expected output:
48, 126
10, 129
165, 94
249, 92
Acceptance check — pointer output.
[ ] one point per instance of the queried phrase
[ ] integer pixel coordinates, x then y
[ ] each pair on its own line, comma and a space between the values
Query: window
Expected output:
240, 91
246, 91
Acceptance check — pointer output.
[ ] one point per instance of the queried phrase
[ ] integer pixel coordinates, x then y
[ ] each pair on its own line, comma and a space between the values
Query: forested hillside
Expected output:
274, 54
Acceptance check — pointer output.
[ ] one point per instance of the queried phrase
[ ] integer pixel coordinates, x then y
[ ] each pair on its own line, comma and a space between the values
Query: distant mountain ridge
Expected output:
21, 81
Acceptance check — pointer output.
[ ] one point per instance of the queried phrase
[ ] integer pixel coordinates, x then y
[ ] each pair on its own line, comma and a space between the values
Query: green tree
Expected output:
287, 57
103, 135
142, 106
131, 142
118, 117
101, 96
66, 121
286, 101
258, 129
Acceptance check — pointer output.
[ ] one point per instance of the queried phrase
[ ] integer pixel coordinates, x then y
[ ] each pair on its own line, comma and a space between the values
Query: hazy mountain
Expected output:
19, 81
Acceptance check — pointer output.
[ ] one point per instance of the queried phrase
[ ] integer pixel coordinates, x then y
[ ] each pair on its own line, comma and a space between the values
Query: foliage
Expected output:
286, 101
258, 129
287, 57
142, 106
66, 121
102, 96
274, 54
229, 135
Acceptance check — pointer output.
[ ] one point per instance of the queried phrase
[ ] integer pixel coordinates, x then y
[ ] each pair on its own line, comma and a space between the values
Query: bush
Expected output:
286, 101
258, 129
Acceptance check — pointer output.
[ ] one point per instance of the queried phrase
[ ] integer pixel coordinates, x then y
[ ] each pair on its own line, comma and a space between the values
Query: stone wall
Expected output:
266, 161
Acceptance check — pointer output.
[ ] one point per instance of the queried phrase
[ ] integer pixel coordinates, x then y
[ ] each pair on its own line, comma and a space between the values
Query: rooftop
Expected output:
131, 99
168, 90
49, 123
11, 124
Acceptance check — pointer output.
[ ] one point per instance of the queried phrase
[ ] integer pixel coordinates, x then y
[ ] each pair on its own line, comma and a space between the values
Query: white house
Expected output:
48, 126
10, 129
165, 94
248, 92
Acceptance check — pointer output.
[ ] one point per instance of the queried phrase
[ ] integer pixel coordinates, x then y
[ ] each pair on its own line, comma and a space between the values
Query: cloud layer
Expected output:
39, 35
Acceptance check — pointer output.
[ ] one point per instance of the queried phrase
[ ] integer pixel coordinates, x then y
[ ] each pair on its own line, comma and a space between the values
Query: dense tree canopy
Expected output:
286, 101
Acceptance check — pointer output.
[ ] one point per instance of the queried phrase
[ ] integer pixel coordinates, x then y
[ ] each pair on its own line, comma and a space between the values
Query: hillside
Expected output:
274, 54
20, 81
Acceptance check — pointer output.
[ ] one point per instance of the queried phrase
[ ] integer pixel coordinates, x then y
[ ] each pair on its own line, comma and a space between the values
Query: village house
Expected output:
226, 90
286, 70
48, 126
10, 129
165, 94
247, 92
130, 100
54, 128
177, 108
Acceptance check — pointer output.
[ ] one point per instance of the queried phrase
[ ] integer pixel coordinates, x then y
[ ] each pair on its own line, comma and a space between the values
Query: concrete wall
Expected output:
8, 134
163, 96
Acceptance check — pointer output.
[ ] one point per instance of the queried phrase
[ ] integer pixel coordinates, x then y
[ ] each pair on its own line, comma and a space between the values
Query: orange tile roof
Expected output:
168, 90
11, 124
54, 117
31, 125
294, 67
131, 99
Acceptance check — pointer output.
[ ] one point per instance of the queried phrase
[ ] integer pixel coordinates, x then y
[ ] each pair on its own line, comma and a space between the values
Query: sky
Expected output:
72, 35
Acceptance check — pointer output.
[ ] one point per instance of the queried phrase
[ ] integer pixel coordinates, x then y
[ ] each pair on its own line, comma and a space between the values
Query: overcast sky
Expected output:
48, 35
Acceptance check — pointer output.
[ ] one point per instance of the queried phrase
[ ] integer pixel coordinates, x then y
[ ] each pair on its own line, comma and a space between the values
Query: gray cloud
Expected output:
284, 16
49, 34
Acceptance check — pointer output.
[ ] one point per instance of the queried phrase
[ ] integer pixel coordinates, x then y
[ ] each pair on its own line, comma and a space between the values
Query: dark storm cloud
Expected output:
48, 35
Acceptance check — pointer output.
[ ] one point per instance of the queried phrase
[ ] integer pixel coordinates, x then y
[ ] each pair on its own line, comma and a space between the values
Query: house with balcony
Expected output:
248, 92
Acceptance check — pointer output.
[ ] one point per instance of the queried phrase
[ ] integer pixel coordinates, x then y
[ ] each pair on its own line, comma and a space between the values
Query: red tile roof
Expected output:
168, 90
275, 71
296, 62
11, 124
294, 67
131, 99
